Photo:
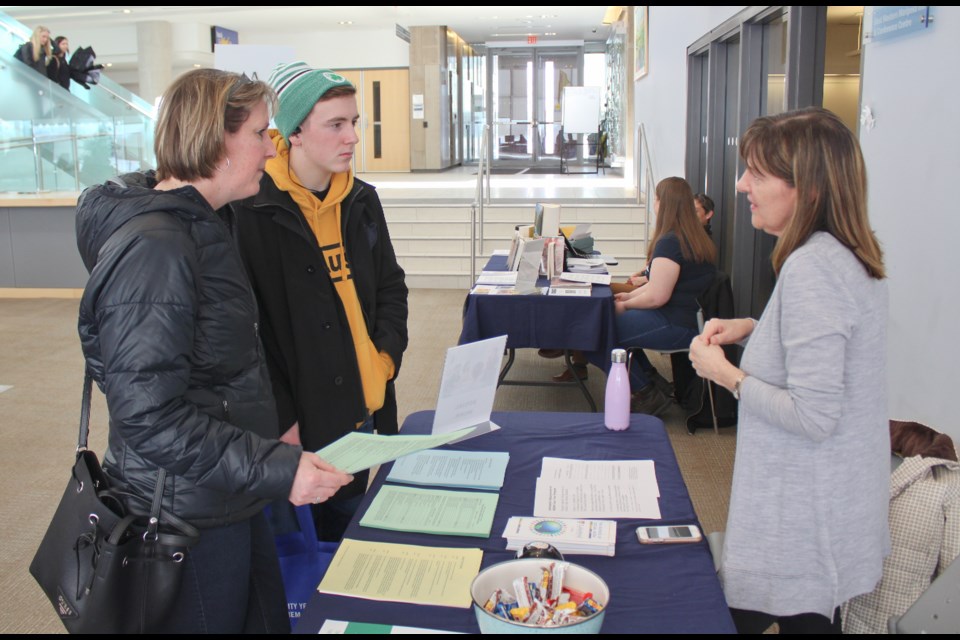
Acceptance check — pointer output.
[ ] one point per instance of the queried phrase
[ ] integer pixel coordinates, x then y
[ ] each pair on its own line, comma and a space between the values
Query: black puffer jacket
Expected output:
168, 326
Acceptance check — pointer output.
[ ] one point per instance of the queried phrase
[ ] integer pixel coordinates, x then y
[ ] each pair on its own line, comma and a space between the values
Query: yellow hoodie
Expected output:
324, 218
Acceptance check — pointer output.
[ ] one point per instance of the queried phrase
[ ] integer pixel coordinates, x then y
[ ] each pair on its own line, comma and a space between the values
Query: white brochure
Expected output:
468, 387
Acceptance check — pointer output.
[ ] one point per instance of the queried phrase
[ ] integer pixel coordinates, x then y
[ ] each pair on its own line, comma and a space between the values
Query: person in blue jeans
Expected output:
662, 313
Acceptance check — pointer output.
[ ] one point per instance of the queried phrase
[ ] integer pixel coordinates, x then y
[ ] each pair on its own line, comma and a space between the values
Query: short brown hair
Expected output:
195, 113
908, 439
677, 214
813, 151
338, 92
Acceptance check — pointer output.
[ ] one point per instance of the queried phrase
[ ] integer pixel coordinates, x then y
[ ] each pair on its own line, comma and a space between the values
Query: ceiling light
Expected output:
346, 22
128, 11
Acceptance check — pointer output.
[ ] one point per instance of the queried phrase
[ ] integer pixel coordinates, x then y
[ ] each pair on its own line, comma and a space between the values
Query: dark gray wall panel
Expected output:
45, 248
7, 277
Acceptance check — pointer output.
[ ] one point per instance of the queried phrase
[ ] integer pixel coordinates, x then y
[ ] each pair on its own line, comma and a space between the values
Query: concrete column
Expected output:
430, 137
155, 58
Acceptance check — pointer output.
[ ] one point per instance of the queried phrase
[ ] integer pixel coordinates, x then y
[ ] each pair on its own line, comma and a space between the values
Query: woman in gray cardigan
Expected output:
807, 527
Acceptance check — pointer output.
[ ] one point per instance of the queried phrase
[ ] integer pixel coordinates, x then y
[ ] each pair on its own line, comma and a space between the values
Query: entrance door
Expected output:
514, 136
556, 70
525, 106
383, 98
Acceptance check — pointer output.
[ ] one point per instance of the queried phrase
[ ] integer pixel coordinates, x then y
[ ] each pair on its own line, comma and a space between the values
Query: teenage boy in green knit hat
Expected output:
333, 302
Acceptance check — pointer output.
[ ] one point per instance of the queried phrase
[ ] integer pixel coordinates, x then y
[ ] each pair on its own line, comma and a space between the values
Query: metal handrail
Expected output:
645, 177
146, 114
7, 145
480, 198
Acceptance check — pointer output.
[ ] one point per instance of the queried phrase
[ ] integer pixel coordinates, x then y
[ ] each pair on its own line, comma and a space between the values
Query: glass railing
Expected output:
57, 140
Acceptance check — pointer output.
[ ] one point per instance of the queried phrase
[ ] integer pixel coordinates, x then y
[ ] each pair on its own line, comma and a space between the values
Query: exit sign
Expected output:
531, 39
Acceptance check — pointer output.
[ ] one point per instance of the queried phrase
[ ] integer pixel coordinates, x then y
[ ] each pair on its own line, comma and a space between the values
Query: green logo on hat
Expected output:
334, 77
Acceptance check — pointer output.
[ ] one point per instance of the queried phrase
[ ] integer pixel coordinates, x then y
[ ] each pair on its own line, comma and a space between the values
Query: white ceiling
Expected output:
475, 24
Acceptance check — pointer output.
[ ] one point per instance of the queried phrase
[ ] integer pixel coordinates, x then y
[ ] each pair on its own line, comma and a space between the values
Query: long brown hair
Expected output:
678, 214
814, 151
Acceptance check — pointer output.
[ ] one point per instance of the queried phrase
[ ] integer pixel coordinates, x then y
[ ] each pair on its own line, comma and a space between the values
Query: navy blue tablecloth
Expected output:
550, 322
655, 588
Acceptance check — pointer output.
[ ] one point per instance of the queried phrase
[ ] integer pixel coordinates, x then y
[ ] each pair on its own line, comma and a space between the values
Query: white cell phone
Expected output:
668, 534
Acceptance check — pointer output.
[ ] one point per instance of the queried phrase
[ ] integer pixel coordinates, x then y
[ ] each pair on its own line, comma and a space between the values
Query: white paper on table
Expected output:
593, 278
468, 386
585, 262
497, 277
569, 499
642, 472
569, 291
340, 627
529, 270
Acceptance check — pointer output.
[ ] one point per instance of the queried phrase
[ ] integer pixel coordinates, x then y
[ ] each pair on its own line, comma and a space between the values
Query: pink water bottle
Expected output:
616, 410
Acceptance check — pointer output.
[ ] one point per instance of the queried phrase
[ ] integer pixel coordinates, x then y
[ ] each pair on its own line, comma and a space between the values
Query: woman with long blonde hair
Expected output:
662, 314
36, 51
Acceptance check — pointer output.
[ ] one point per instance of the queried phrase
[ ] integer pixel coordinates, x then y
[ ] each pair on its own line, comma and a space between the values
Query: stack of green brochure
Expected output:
455, 513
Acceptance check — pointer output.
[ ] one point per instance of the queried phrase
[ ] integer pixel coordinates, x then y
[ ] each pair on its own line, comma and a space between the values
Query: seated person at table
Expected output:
704, 206
662, 314
705, 210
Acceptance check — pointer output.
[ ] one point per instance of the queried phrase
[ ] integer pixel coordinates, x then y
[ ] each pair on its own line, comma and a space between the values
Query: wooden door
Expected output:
383, 97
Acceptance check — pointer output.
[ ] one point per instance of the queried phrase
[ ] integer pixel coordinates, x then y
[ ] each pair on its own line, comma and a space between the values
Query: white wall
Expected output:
191, 44
351, 49
912, 170
660, 97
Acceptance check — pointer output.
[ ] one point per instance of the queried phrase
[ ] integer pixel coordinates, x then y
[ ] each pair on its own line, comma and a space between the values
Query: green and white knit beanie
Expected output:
298, 88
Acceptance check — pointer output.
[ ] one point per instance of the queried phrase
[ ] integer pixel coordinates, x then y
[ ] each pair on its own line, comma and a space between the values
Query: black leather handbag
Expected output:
105, 568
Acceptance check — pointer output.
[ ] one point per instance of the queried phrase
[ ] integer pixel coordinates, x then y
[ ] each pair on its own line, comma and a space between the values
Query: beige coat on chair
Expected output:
925, 536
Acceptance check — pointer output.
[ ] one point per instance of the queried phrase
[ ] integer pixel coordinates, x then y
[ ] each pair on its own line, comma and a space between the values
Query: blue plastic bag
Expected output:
303, 558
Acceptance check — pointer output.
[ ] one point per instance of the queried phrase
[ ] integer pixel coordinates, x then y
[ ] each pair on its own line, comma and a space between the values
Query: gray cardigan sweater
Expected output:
807, 528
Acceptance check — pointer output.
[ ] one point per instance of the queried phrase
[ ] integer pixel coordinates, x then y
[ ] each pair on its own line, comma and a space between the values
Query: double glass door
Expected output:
525, 105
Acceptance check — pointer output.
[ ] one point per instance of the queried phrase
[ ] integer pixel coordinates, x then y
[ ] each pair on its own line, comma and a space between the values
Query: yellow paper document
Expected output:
402, 573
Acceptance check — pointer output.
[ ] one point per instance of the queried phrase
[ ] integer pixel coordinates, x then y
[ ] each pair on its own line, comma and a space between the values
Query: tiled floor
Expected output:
459, 185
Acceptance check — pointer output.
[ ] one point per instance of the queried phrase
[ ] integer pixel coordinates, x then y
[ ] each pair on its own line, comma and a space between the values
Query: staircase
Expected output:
432, 241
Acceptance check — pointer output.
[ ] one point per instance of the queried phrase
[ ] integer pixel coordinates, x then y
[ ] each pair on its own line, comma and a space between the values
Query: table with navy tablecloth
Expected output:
572, 323
655, 588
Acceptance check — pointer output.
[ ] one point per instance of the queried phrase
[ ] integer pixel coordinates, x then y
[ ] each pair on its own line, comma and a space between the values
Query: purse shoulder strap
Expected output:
85, 414
157, 514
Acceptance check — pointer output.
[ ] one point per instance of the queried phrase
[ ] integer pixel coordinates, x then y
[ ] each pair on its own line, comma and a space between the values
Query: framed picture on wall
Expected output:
641, 39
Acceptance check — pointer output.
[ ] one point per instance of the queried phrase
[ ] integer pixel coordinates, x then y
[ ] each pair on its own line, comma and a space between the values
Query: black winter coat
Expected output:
168, 326
305, 331
25, 55
59, 71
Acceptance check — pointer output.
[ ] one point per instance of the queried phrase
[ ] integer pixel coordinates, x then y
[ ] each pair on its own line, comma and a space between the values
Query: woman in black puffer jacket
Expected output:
168, 325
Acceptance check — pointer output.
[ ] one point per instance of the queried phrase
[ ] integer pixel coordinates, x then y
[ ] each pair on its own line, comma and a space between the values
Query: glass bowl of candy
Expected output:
539, 595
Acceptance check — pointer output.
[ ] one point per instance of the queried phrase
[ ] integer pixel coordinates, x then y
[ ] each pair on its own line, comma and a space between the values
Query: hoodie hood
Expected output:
278, 168
103, 209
